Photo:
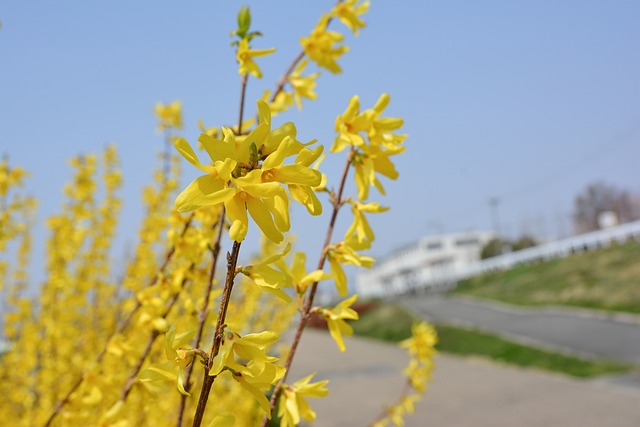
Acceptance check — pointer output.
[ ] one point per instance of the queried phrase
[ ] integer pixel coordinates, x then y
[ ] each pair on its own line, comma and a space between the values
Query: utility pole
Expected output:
495, 219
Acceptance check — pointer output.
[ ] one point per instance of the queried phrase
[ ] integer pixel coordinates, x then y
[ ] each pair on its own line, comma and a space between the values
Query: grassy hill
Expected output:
606, 279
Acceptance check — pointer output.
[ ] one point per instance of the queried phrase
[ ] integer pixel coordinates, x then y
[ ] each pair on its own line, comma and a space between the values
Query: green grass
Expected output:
392, 322
606, 279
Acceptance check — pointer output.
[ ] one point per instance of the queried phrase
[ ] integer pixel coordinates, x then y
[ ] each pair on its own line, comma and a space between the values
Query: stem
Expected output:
306, 311
285, 77
166, 166
202, 314
232, 261
121, 327
243, 91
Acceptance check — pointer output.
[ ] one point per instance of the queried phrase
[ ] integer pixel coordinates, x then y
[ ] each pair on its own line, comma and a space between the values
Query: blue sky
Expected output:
524, 101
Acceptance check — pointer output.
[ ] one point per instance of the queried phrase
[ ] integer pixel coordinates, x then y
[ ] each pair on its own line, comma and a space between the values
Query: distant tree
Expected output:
493, 247
598, 198
523, 242
498, 246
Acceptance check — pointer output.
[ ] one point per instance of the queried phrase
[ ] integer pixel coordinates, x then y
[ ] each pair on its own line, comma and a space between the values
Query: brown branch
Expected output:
243, 92
232, 261
306, 311
285, 77
202, 314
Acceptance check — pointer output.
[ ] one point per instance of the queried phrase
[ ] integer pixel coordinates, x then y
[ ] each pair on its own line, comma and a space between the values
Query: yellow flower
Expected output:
248, 347
360, 228
374, 159
347, 12
344, 253
246, 175
180, 357
303, 86
293, 405
169, 115
379, 132
268, 278
258, 377
259, 373
298, 272
245, 58
336, 317
422, 342
281, 103
321, 47
349, 125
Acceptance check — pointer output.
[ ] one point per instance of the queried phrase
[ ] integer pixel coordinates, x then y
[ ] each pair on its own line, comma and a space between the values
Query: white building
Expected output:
429, 262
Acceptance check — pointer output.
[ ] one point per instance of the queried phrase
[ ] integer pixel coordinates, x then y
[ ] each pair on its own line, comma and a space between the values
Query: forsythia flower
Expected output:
247, 175
268, 278
245, 58
421, 348
260, 373
369, 158
347, 12
179, 357
360, 228
293, 405
344, 253
250, 347
336, 317
281, 103
303, 86
169, 115
320, 46
298, 273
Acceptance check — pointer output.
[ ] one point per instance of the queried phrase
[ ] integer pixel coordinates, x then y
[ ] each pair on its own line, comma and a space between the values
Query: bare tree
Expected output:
598, 198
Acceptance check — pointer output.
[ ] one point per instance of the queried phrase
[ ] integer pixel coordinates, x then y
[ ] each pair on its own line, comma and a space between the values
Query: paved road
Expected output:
464, 392
583, 332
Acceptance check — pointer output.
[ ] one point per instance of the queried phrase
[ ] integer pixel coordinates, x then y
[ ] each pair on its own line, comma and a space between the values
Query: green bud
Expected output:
244, 21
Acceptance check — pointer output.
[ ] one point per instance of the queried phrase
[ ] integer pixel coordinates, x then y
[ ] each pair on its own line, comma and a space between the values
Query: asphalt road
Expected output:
582, 332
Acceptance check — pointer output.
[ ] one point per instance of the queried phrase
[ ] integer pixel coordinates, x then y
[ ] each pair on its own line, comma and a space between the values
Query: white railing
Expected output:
424, 280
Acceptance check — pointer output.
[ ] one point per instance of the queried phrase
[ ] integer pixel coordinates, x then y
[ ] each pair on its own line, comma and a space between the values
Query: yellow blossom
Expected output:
336, 317
293, 405
321, 46
268, 278
303, 86
347, 12
245, 58
360, 228
248, 347
247, 176
298, 272
344, 253
349, 125
169, 115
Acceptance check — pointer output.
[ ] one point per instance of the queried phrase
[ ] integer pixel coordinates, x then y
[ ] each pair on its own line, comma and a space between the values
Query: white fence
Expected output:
547, 251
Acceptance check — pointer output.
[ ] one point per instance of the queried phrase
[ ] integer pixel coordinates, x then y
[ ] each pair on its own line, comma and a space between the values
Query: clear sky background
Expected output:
525, 101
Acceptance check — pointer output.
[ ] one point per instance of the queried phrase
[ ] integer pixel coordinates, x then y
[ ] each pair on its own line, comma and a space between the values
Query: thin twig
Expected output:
243, 92
306, 311
202, 314
285, 77
232, 261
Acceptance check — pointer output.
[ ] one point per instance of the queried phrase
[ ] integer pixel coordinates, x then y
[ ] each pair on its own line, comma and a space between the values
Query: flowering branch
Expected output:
232, 261
121, 327
202, 314
306, 311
